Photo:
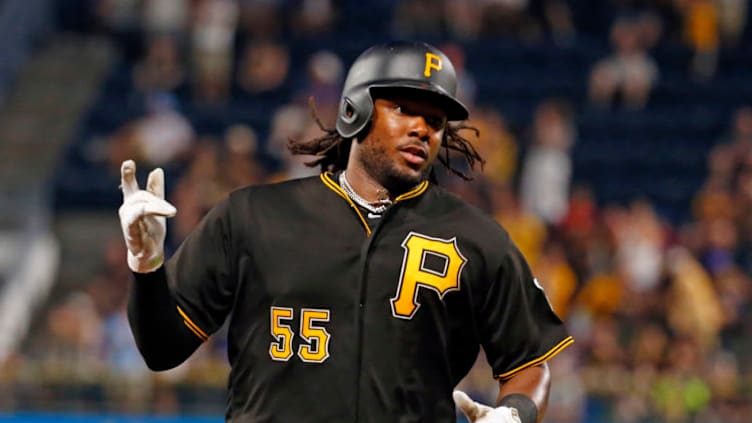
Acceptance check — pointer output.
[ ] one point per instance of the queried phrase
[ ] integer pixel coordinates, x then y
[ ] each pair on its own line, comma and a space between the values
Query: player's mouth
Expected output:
414, 154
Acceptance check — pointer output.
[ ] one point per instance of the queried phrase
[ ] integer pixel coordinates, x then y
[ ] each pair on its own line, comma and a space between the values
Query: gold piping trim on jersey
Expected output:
325, 177
552, 352
192, 326
418, 190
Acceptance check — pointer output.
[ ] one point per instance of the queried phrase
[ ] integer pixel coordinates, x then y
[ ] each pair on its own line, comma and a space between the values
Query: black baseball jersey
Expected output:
332, 320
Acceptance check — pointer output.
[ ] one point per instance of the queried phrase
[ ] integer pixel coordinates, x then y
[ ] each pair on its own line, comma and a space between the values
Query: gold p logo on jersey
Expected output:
433, 61
443, 278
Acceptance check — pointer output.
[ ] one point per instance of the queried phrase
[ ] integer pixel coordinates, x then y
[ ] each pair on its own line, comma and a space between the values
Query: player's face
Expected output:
404, 140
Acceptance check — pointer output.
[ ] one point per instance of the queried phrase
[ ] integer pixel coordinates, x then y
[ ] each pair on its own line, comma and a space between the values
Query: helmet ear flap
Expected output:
355, 111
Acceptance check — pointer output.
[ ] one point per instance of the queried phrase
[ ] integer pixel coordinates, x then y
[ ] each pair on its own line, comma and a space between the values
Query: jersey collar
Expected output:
328, 179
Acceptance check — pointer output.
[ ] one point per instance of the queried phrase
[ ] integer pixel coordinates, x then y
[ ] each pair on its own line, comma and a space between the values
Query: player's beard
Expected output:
395, 177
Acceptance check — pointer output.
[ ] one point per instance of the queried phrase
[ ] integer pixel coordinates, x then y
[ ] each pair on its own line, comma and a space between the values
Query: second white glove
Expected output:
479, 413
143, 218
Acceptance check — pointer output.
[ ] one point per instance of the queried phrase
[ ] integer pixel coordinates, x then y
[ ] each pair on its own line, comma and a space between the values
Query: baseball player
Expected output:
360, 295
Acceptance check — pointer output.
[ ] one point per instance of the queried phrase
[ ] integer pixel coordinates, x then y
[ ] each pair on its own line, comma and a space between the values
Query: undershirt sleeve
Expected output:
160, 333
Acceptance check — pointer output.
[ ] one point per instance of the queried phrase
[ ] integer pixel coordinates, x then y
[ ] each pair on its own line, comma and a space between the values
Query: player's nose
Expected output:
419, 128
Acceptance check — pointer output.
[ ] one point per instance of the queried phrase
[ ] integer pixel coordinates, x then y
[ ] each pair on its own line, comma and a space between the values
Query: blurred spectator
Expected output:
162, 68
743, 218
313, 17
264, 67
603, 371
640, 243
124, 363
479, 192
416, 18
723, 375
732, 19
165, 17
121, 17
288, 122
129, 378
558, 18
650, 26
714, 198
602, 294
466, 85
680, 393
649, 345
579, 228
734, 288
740, 137
526, 230
74, 329
568, 397
628, 71
198, 189
324, 78
693, 309
161, 137
557, 277
727, 192
508, 18
702, 34
720, 243
582, 212
260, 18
547, 166
240, 166
212, 55
497, 144
462, 19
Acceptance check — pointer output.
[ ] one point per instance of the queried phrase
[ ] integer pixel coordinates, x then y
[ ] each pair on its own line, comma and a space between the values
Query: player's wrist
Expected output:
521, 406
149, 264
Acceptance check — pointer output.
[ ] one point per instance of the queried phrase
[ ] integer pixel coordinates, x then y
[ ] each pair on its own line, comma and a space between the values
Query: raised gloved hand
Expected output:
143, 218
479, 413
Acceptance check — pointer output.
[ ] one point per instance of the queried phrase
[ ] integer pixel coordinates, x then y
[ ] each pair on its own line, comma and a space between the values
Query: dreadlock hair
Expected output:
332, 150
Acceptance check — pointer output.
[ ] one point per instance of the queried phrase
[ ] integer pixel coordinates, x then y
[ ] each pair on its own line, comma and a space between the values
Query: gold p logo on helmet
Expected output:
433, 61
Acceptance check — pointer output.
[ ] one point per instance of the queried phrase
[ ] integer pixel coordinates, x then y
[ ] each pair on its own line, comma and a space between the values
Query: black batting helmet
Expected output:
400, 64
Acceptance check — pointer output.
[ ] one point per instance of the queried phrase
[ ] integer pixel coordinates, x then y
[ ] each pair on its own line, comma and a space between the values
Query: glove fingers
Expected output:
470, 408
144, 203
155, 183
128, 182
159, 207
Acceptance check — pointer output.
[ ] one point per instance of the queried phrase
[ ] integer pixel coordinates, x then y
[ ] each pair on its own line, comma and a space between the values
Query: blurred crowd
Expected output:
661, 310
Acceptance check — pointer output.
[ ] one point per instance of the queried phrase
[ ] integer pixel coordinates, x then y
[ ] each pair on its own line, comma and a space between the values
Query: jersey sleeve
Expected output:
518, 325
201, 274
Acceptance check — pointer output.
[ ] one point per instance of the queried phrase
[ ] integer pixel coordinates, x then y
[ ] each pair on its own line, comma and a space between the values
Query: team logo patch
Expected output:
430, 263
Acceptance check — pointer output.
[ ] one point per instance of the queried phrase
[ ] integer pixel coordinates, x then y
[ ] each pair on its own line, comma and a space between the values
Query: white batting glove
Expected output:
479, 413
143, 218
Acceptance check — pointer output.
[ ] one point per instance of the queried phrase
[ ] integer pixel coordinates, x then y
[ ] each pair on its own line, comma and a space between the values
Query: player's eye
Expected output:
437, 123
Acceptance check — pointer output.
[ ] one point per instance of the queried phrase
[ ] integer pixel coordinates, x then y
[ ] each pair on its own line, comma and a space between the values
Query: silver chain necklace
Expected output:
375, 207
